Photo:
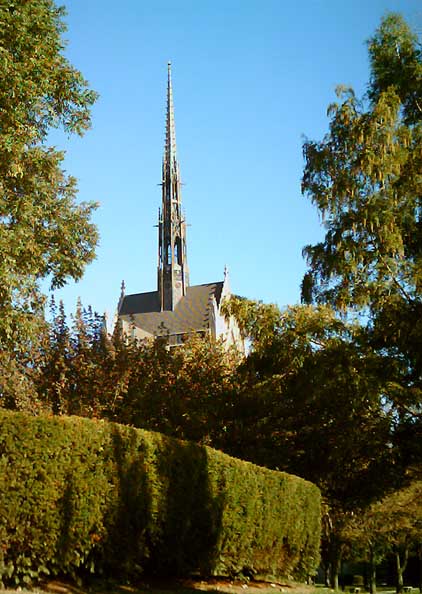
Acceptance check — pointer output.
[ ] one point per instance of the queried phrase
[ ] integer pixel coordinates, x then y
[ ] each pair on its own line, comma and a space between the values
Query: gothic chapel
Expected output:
176, 309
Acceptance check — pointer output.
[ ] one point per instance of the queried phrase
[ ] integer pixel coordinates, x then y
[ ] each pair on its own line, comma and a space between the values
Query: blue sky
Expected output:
251, 79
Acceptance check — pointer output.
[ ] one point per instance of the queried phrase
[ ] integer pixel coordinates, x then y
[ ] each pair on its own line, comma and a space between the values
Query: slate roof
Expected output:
191, 314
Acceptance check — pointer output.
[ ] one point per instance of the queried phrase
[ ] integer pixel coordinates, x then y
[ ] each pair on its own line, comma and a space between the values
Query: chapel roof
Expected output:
191, 314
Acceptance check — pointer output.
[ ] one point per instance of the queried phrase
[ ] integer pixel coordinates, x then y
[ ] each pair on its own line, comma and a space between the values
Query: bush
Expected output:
81, 496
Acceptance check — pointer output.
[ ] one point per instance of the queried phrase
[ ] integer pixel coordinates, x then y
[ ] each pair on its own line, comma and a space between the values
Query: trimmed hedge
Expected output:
78, 495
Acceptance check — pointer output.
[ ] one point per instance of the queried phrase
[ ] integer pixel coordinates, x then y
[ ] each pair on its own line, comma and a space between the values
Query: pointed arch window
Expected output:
178, 251
169, 254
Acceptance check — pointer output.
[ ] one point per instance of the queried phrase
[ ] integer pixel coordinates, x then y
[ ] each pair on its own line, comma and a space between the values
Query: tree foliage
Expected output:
396, 62
311, 401
44, 233
392, 525
184, 392
364, 178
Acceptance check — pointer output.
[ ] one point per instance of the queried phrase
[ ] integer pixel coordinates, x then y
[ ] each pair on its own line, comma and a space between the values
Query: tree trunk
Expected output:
401, 567
372, 572
420, 566
335, 568
327, 572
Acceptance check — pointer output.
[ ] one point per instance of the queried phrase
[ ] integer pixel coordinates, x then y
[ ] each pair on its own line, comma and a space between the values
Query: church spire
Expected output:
170, 147
173, 275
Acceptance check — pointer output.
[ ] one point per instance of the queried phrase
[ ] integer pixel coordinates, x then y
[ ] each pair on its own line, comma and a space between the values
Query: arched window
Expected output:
178, 251
169, 254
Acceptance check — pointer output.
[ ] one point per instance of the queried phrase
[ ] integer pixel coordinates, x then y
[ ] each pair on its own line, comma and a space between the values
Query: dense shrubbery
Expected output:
79, 496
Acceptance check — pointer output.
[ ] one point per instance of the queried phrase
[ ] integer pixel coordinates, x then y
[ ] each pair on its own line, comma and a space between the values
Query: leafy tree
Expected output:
86, 381
391, 525
402, 526
311, 403
364, 178
185, 392
17, 390
53, 380
83, 370
367, 541
396, 61
44, 233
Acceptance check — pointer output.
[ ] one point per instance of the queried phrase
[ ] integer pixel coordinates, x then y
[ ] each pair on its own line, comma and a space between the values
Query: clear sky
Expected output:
251, 79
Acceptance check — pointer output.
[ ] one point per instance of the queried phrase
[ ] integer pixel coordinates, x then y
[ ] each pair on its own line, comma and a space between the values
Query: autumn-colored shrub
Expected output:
81, 496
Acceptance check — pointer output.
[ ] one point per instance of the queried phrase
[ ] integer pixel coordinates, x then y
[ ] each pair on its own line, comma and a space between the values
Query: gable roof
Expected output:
191, 314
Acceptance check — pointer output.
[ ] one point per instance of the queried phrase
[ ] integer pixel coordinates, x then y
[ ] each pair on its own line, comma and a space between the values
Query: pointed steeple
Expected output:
173, 275
170, 148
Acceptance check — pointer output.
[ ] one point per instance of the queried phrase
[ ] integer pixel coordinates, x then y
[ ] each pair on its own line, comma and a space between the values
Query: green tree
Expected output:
391, 525
83, 370
311, 403
396, 61
44, 232
364, 532
401, 523
185, 392
364, 178
53, 377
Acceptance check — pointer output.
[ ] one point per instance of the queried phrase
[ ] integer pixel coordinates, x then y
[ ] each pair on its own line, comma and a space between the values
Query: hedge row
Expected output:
78, 495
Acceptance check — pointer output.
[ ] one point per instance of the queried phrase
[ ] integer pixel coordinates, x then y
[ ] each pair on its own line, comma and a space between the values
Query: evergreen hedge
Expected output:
78, 495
